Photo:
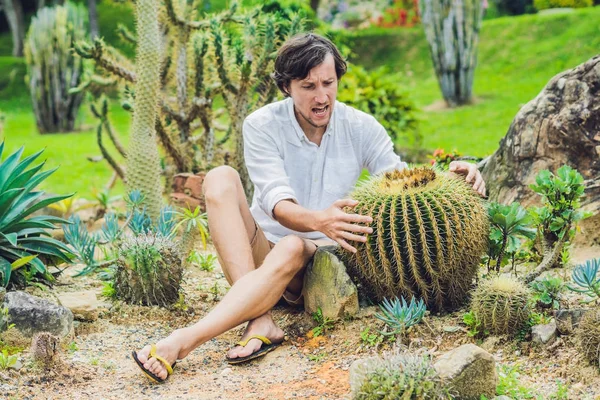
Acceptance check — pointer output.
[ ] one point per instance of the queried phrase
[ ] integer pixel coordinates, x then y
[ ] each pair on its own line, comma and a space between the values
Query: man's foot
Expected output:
263, 326
169, 348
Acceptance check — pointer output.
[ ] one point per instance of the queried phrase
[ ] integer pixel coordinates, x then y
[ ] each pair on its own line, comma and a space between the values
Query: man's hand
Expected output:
472, 175
341, 226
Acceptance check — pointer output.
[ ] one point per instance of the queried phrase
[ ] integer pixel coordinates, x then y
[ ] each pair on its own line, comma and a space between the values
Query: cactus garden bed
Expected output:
94, 362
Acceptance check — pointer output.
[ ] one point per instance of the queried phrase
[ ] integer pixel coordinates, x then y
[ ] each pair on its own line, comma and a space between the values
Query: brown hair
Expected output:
301, 53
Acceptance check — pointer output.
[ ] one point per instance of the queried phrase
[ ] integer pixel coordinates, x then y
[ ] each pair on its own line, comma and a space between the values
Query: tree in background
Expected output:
14, 15
452, 30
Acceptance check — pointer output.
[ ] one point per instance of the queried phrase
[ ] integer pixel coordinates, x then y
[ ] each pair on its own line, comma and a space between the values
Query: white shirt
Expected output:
284, 164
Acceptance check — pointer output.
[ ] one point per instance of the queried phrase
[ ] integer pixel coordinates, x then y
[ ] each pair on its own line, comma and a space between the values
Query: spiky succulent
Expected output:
502, 305
588, 336
149, 270
586, 279
429, 232
396, 376
399, 315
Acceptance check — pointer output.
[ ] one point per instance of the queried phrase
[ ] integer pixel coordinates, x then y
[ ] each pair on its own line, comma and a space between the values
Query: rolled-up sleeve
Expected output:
266, 168
378, 150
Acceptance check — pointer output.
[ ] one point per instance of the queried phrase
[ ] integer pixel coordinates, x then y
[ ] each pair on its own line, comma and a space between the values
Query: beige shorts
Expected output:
261, 246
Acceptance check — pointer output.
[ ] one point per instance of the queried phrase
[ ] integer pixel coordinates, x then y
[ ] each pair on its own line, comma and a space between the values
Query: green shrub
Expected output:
25, 244
398, 376
52, 69
513, 7
378, 94
546, 4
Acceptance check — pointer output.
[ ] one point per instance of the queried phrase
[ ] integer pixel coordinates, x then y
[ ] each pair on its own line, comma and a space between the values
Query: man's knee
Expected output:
294, 248
220, 183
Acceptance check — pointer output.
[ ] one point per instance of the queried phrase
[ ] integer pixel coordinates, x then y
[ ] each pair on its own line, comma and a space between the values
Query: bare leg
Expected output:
254, 291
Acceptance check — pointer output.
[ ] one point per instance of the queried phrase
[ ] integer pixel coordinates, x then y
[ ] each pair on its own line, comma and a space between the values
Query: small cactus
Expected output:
396, 376
429, 232
588, 336
44, 349
502, 305
149, 270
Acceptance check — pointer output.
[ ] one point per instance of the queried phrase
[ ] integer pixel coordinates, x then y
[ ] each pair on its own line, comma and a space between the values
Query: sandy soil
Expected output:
96, 364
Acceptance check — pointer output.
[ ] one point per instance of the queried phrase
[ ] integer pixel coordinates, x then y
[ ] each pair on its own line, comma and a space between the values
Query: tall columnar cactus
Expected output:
501, 305
228, 56
452, 30
429, 231
143, 161
51, 67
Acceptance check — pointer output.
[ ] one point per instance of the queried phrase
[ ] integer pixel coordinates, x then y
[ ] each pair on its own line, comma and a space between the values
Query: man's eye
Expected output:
306, 87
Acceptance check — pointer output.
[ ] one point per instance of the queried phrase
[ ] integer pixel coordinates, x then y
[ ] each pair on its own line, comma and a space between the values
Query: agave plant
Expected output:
399, 315
25, 244
585, 276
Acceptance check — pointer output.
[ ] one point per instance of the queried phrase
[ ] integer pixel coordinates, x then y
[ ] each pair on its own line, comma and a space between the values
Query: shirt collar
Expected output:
298, 130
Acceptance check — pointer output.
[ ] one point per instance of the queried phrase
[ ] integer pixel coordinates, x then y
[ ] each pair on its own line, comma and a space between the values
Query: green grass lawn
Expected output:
517, 57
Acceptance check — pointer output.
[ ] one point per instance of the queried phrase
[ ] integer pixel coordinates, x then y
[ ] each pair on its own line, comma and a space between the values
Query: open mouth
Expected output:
320, 111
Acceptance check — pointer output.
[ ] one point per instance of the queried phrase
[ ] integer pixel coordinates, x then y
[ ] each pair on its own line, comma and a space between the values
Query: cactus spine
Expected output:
51, 68
143, 161
502, 305
429, 231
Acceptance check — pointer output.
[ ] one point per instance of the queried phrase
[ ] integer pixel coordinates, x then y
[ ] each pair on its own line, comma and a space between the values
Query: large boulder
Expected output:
469, 371
560, 126
327, 286
31, 315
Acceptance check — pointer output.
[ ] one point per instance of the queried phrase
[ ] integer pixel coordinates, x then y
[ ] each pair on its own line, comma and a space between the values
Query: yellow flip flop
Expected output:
266, 347
149, 374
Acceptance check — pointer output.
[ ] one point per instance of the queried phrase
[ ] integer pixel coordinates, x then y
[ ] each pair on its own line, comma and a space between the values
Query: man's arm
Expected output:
333, 222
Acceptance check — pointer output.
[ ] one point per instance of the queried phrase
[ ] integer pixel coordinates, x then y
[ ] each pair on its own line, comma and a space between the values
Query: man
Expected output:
303, 154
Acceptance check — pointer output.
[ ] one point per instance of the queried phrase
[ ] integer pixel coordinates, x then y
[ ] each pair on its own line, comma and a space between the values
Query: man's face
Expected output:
314, 96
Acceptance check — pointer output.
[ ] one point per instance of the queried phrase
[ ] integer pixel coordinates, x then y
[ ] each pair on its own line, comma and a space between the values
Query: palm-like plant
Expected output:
25, 244
507, 224
195, 223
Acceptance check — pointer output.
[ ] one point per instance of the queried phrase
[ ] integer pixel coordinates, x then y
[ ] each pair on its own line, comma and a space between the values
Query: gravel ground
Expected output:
95, 362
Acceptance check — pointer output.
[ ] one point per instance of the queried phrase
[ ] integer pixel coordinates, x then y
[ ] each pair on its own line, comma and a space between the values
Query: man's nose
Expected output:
321, 95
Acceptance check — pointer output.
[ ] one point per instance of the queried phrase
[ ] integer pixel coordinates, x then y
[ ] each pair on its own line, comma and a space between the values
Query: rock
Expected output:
560, 126
45, 348
470, 371
2, 294
568, 320
31, 315
328, 286
83, 305
226, 372
543, 333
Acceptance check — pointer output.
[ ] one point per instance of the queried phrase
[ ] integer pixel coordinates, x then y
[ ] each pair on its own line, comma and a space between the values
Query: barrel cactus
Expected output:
149, 270
588, 336
52, 69
429, 232
396, 376
501, 305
